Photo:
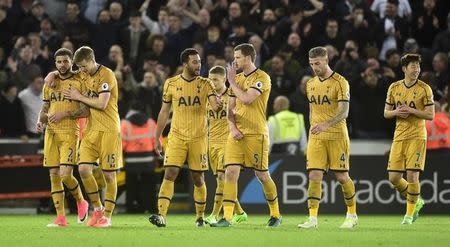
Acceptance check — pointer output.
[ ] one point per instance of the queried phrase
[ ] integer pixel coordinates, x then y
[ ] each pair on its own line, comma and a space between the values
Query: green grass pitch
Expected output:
135, 230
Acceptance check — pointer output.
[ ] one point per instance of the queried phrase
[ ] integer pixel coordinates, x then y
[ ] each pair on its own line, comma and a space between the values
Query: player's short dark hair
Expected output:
217, 70
318, 51
247, 50
84, 53
410, 58
184, 57
63, 52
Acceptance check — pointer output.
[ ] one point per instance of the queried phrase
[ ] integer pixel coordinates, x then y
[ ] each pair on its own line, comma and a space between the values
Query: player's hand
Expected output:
236, 133
57, 116
72, 93
403, 111
158, 148
318, 128
219, 102
50, 79
40, 127
231, 73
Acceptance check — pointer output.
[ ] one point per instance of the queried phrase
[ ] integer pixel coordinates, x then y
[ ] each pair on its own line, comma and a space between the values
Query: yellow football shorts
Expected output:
216, 152
327, 155
252, 151
407, 155
179, 151
102, 147
60, 149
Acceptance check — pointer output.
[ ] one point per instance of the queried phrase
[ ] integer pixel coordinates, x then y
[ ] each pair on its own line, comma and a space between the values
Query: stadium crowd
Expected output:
141, 42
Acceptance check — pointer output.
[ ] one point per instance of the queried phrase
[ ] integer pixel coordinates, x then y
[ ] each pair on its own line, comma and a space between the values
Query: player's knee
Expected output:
412, 176
342, 177
262, 176
394, 179
85, 171
315, 175
198, 179
65, 171
171, 173
220, 176
54, 171
231, 173
110, 176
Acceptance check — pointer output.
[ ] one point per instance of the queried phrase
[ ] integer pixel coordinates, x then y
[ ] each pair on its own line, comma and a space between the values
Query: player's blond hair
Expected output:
218, 70
84, 53
318, 51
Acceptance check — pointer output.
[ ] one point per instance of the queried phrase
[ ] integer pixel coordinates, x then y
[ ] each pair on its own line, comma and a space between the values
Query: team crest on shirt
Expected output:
259, 85
105, 86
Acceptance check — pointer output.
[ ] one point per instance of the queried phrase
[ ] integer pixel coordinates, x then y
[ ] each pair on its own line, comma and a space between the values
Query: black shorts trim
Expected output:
232, 95
201, 203
334, 170
219, 194
104, 91
343, 100
88, 163
57, 192
428, 104
165, 198
172, 166
192, 170
167, 102
91, 193
316, 169
396, 171
313, 198
416, 170
406, 188
227, 165
388, 103
259, 170
68, 164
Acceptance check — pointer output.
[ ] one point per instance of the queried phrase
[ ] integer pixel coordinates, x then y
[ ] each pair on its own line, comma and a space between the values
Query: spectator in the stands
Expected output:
350, 65
155, 27
379, 7
426, 24
75, 26
31, 98
49, 37
440, 68
392, 69
32, 22
133, 39
240, 34
213, 44
442, 40
11, 108
332, 35
150, 95
104, 36
23, 69
282, 81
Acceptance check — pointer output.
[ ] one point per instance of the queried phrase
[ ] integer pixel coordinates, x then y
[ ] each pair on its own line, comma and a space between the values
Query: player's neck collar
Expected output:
98, 68
182, 77
246, 75
410, 86
326, 78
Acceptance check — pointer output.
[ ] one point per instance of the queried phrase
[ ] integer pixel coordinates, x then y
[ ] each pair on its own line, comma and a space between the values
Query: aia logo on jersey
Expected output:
319, 100
217, 115
58, 96
410, 104
189, 101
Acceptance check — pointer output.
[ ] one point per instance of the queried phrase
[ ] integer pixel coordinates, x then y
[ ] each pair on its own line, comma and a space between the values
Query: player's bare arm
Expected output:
343, 107
246, 97
81, 112
99, 103
235, 132
163, 116
390, 112
43, 118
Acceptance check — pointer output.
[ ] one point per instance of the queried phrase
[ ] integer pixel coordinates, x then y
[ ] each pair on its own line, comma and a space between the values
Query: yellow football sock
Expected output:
411, 198
73, 186
270, 191
200, 200
57, 194
348, 188
314, 195
90, 186
229, 199
218, 198
110, 196
402, 187
237, 207
99, 178
165, 196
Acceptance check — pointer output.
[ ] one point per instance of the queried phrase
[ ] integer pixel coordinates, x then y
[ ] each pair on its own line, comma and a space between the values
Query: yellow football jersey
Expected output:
188, 98
251, 119
323, 97
58, 103
417, 96
103, 81
218, 129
